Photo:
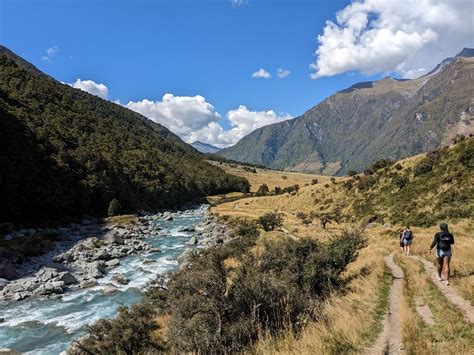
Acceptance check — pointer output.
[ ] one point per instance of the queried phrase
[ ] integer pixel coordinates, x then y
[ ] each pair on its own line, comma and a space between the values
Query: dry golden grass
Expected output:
271, 177
123, 219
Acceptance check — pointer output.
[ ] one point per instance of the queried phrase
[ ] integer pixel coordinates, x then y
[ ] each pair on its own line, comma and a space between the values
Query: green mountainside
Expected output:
382, 119
66, 153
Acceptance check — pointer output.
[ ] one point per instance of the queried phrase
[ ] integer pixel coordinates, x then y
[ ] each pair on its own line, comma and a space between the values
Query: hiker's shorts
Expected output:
440, 253
407, 242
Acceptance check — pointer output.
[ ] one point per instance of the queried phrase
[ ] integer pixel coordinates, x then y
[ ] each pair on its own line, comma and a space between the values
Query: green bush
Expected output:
366, 182
400, 181
262, 190
271, 220
114, 208
314, 181
352, 173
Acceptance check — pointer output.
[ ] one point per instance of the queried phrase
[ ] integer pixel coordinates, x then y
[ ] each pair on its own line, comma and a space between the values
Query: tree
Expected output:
114, 208
271, 220
263, 190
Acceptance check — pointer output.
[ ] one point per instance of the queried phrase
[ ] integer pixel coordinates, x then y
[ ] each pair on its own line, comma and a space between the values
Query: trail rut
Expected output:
389, 340
448, 291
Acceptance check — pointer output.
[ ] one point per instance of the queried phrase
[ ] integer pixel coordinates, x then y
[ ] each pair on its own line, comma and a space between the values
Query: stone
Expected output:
3, 283
121, 279
149, 261
155, 250
387, 225
184, 257
192, 241
113, 262
188, 229
110, 288
48, 275
18, 296
88, 283
168, 218
7, 351
7, 269
67, 278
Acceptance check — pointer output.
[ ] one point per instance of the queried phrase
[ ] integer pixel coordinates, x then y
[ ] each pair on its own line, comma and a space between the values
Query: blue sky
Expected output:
204, 53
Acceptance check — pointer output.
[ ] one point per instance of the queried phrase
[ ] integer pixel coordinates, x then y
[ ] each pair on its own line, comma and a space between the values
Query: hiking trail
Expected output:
389, 339
448, 291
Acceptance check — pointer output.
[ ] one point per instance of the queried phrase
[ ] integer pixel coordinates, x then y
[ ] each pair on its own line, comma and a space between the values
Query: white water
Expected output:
48, 326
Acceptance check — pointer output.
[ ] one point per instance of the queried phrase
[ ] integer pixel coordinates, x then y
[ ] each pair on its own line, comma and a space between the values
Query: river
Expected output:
48, 326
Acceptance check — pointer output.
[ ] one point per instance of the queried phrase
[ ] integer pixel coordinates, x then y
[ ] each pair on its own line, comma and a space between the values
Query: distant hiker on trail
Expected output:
407, 239
442, 240
400, 237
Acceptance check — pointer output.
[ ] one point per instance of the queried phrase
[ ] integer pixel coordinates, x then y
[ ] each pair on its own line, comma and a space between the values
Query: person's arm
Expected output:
452, 239
434, 242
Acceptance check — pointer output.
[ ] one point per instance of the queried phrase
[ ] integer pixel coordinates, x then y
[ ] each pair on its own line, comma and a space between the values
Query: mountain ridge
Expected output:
358, 125
204, 147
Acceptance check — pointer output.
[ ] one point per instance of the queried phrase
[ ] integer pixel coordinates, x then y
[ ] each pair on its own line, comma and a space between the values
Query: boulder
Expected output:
110, 288
112, 263
88, 283
387, 225
7, 351
3, 283
168, 218
149, 261
18, 296
48, 274
67, 278
7, 269
155, 250
188, 229
121, 279
192, 241
184, 257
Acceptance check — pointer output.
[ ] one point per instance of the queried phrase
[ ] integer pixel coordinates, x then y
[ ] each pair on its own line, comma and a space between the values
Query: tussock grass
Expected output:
123, 219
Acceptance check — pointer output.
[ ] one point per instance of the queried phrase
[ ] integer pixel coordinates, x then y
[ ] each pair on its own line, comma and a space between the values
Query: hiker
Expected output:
442, 240
400, 237
407, 238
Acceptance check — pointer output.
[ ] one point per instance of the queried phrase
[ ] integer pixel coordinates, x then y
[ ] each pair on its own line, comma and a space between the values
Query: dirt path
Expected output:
424, 311
448, 291
389, 340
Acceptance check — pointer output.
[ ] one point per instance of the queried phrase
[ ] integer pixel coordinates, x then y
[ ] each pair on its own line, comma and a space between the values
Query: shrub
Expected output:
262, 190
246, 228
352, 173
423, 167
120, 335
348, 184
114, 208
277, 190
421, 219
284, 177
366, 182
467, 157
379, 164
333, 180
398, 166
271, 220
314, 181
400, 181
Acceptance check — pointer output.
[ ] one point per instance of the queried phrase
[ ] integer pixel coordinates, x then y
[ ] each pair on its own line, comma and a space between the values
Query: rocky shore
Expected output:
89, 251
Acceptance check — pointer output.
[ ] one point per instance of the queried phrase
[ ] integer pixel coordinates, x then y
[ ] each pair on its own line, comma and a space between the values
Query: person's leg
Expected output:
439, 267
446, 261
408, 249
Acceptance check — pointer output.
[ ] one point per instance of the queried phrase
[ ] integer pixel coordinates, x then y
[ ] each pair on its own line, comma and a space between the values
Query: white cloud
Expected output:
261, 73
242, 122
283, 73
194, 119
409, 38
50, 54
237, 3
91, 87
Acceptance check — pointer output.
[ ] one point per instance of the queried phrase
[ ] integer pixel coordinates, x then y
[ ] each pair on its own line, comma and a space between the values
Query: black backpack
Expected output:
444, 241
408, 235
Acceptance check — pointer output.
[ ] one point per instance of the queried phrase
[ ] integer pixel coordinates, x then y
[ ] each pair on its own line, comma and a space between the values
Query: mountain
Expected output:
65, 153
204, 147
388, 119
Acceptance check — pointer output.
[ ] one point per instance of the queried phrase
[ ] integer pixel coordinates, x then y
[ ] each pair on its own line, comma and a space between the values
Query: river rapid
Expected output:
49, 325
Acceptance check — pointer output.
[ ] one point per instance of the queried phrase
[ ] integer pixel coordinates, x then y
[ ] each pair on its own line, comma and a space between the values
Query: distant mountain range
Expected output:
204, 147
388, 118
65, 153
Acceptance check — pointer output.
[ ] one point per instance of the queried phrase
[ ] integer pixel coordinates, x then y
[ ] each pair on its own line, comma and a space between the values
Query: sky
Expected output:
216, 70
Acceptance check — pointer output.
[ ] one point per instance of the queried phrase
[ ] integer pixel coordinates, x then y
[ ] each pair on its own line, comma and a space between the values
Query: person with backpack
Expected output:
400, 237
407, 238
443, 241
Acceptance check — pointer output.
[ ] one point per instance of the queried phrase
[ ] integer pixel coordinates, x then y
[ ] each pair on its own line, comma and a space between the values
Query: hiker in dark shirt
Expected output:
443, 241
407, 239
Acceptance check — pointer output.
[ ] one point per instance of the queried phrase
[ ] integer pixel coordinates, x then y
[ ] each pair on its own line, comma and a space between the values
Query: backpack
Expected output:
407, 235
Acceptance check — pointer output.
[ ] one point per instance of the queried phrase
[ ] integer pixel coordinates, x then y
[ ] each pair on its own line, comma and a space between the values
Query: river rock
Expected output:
149, 261
155, 250
7, 269
67, 278
188, 229
192, 241
121, 279
3, 283
113, 262
88, 283
184, 258
110, 288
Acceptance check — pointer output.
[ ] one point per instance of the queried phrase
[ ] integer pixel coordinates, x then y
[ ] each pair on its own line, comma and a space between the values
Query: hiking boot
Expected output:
440, 278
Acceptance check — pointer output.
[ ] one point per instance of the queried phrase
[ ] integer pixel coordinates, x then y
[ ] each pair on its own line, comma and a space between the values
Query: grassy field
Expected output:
349, 322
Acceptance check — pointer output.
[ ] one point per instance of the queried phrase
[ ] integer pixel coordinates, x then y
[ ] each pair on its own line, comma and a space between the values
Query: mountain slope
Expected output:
382, 119
204, 147
65, 153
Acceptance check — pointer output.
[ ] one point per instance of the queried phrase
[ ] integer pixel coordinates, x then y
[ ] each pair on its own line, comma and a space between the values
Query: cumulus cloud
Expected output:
182, 115
283, 73
242, 121
373, 36
50, 53
194, 119
261, 73
237, 3
91, 87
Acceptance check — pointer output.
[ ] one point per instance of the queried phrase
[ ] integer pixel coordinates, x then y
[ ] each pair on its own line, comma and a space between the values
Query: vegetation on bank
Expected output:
230, 296
65, 153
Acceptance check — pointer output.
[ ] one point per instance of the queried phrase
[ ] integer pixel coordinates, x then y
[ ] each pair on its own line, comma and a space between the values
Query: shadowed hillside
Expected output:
66, 153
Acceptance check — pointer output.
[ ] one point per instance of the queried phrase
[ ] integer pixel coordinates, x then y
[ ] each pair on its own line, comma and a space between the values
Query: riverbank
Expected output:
89, 251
